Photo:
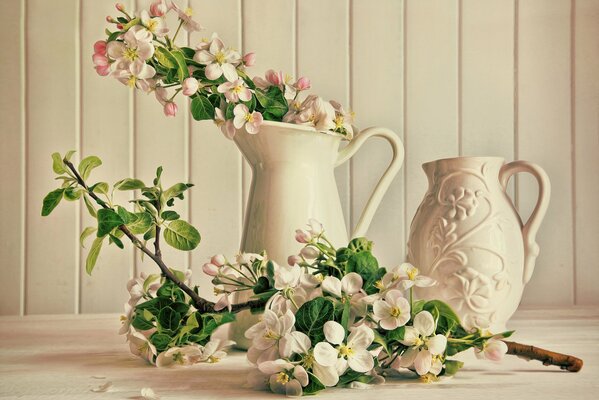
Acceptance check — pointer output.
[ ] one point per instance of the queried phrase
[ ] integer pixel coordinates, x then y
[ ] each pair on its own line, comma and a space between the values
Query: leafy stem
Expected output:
201, 304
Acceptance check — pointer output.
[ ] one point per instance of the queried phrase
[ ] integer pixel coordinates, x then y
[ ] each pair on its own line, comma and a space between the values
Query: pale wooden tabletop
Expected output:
51, 357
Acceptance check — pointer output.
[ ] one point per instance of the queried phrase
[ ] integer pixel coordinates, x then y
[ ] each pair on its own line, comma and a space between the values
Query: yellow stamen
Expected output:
152, 24
130, 54
131, 81
249, 117
339, 121
213, 359
219, 57
269, 334
236, 89
412, 273
345, 351
395, 312
308, 361
379, 285
189, 11
282, 377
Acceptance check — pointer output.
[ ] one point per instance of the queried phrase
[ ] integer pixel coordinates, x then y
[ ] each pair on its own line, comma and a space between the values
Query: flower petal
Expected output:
360, 337
424, 281
332, 285
424, 323
423, 362
230, 72
328, 376
273, 367
351, 283
407, 358
436, 345
293, 388
301, 375
361, 360
213, 71
325, 354
334, 332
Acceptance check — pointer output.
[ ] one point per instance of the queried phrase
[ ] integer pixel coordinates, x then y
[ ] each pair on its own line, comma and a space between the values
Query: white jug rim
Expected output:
466, 158
305, 128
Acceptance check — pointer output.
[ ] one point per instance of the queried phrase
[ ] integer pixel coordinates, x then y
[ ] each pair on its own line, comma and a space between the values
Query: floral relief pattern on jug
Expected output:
467, 235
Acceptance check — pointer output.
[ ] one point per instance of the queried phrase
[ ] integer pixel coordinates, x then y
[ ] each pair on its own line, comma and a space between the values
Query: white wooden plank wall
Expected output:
517, 79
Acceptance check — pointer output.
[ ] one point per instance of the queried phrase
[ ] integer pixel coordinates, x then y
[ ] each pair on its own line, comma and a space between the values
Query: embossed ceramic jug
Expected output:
293, 180
467, 235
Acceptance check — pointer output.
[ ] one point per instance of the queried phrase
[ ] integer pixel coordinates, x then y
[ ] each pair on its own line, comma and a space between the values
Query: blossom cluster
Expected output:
334, 317
141, 54
151, 333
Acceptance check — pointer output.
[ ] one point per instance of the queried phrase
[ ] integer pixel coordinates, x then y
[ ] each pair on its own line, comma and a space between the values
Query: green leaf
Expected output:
90, 206
72, 194
212, 321
129, 184
273, 101
202, 108
139, 322
165, 58
360, 244
181, 235
170, 215
345, 315
147, 314
51, 201
149, 280
92, 256
127, 216
396, 334
447, 318
311, 317
262, 285
87, 165
117, 241
161, 341
108, 219
188, 52
100, 187
158, 175
150, 234
182, 71
314, 385
67, 157
85, 234
176, 190
452, 367
171, 291
142, 223
363, 263
169, 319
57, 164
381, 340
229, 111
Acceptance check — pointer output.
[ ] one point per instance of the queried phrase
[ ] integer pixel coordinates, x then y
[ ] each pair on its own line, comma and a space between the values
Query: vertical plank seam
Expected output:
349, 97
459, 80
132, 155
516, 102
573, 144
79, 147
405, 119
242, 167
23, 150
187, 157
294, 33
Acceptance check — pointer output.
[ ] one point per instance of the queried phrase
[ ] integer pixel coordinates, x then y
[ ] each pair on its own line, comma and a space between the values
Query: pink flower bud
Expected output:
275, 78
109, 19
119, 6
309, 253
120, 26
302, 236
102, 70
218, 260
100, 47
292, 260
210, 269
158, 8
170, 109
249, 59
99, 60
190, 86
303, 83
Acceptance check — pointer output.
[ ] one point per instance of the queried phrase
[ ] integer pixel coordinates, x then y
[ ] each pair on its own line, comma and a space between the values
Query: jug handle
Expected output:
531, 227
383, 184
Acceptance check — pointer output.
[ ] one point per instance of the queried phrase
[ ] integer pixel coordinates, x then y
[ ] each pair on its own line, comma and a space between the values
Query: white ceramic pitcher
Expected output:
293, 180
468, 236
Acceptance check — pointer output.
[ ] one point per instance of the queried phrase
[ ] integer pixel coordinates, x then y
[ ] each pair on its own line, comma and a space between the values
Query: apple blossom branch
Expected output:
528, 352
201, 304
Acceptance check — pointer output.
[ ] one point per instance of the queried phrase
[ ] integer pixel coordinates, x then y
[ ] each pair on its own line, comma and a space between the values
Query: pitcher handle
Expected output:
381, 187
531, 227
